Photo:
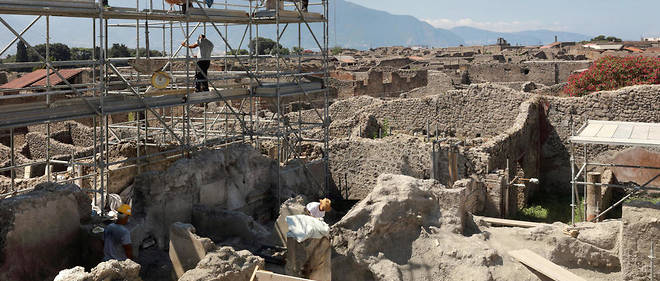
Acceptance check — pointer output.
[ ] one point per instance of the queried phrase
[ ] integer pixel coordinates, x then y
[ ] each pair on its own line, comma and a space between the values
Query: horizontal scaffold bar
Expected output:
84, 10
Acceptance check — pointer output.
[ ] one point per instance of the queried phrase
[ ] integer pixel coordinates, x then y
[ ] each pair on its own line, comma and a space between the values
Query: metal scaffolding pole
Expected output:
288, 135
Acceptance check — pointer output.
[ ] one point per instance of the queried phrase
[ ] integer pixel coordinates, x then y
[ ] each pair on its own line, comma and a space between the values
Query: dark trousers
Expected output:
201, 75
184, 8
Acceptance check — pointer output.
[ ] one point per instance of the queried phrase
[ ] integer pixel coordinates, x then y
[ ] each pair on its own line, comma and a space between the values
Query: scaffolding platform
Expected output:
618, 133
240, 91
92, 10
20, 115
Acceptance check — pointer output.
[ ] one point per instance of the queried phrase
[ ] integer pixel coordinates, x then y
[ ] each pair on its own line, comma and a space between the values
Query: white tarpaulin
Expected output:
303, 227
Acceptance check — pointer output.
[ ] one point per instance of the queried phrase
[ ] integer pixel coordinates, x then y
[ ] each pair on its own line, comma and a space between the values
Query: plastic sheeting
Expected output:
304, 227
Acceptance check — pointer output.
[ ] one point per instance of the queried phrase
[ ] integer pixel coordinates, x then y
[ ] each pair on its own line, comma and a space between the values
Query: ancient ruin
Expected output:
459, 163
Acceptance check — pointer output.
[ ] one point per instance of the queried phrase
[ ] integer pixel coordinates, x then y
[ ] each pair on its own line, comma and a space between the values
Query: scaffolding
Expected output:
177, 117
613, 133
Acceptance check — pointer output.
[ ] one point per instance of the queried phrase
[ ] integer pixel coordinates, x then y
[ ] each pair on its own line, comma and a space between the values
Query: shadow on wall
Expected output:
555, 158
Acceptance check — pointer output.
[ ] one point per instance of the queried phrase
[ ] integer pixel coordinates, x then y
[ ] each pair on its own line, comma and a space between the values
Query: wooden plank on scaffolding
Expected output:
512, 223
262, 275
544, 266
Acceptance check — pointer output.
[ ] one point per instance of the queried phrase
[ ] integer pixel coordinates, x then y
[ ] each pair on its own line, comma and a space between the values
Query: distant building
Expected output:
651, 39
604, 47
502, 42
558, 45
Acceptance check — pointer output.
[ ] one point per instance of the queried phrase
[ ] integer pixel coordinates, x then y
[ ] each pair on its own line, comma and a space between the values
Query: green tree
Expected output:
81, 53
282, 51
336, 50
57, 52
241, 52
297, 50
613, 39
21, 52
143, 53
606, 38
264, 45
119, 51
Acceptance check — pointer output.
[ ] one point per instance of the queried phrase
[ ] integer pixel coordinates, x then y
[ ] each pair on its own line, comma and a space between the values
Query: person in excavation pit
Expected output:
318, 209
117, 239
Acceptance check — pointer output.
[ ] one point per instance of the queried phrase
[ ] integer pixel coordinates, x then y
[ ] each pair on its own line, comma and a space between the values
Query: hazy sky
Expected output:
629, 19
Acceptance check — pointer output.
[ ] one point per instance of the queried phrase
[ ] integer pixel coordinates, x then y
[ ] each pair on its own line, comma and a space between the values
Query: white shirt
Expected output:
205, 48
314, 210
115, 237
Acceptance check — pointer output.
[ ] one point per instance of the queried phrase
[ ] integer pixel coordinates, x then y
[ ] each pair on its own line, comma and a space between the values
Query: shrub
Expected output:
610, 73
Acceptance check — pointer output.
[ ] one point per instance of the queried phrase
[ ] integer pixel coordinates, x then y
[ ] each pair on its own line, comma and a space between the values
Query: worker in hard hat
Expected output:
318, 209
117, 238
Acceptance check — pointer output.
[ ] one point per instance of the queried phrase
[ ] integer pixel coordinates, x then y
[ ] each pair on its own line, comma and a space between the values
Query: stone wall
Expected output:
540, 72
237, 178
483, 110
505, 127
631, 104
40, 232
378, 83
355, 164
641, 222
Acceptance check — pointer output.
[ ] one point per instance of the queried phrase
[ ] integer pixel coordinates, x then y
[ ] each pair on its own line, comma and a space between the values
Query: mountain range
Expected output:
351, 26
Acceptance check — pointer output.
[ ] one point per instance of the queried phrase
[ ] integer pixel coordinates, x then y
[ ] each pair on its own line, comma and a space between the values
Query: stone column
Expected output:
594, 202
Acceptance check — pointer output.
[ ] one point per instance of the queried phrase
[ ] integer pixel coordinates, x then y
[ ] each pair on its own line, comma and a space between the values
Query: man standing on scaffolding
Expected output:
203, 62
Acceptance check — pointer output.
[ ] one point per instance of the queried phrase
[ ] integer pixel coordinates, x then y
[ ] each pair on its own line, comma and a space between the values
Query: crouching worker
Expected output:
318, 209
117, 238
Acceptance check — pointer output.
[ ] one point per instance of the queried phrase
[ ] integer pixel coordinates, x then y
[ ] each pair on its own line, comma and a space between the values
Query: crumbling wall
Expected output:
375, 84
547, 73
396, 233
520, 145
641, 227
355, 164
40, 231
237, 178
482, 110
632, 104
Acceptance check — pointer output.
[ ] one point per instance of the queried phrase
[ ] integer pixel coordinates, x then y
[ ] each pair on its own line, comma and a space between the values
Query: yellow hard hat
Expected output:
124, 209
325, 205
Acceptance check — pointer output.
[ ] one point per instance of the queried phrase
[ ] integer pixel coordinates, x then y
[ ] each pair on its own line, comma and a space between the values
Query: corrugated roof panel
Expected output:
640, 132
623, 131
25, 80
54, 79
619, 133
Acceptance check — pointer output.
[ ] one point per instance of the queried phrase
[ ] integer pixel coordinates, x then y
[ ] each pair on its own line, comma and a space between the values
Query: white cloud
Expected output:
499, 26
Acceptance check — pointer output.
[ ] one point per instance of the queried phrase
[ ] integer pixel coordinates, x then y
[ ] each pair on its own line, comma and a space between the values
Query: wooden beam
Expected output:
544, 266
262, 275
512, 223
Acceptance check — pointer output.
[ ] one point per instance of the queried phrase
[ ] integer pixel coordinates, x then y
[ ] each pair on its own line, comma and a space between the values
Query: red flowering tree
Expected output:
609, 73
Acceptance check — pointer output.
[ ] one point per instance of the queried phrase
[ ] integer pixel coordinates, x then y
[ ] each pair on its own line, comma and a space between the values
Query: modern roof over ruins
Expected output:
618, 133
